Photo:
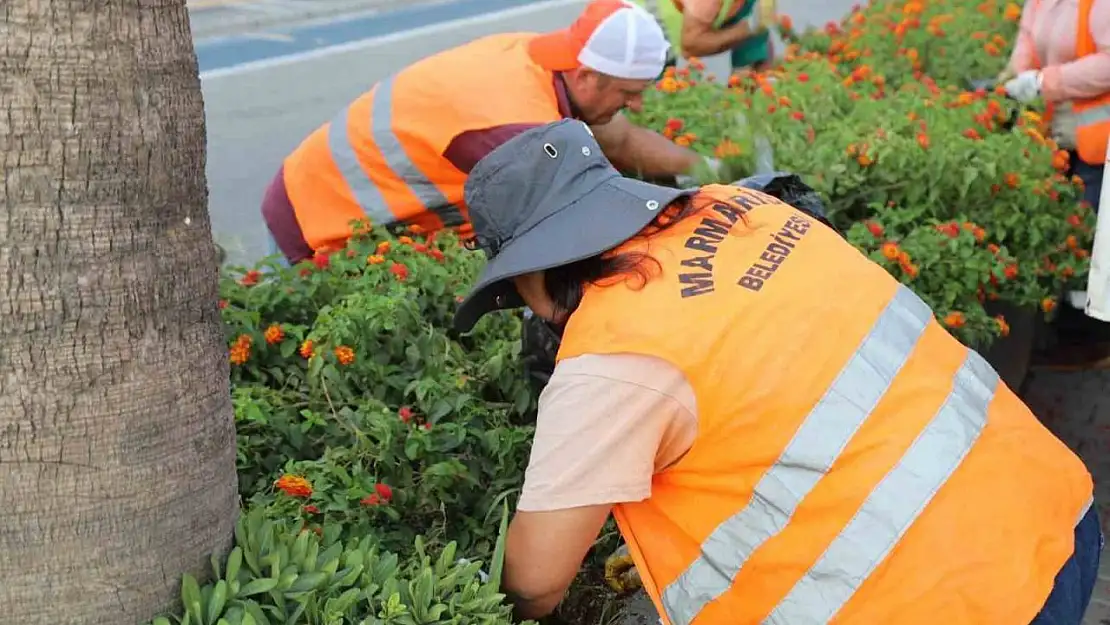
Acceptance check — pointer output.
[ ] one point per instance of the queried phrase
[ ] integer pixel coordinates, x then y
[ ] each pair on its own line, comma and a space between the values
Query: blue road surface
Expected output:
223, 52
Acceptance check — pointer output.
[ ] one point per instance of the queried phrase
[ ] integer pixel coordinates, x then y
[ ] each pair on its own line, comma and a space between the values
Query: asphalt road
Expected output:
264, 91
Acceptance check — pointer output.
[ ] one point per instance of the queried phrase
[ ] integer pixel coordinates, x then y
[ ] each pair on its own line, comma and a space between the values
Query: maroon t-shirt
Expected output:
468, 148
464, 151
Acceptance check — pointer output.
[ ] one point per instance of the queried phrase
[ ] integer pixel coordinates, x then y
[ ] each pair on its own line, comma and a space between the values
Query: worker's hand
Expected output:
620, 571
1025, 87
766, 14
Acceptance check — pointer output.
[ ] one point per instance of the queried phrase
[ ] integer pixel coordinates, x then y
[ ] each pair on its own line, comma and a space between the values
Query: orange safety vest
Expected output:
1093, 114
854, 462
382, 156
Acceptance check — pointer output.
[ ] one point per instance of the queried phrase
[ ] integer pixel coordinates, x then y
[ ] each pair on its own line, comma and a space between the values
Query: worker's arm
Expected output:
700, 38
543, 554
634, 149
604, 423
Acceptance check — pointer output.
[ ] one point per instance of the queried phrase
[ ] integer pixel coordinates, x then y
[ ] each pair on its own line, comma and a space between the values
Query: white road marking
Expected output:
360, 44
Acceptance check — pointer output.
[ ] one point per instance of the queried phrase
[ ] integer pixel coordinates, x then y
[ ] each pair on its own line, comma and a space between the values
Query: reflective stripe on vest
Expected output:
367, 194
889, 510
1095, 115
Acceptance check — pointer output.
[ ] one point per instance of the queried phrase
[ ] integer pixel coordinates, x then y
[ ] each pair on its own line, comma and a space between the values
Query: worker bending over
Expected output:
401, 152
783, 431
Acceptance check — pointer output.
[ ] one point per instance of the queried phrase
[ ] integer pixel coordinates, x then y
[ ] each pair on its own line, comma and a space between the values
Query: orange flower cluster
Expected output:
955, 320
274, 334
686, 139
727, 148
859, 152
1003, 326
952, 230
241, 350
307, 349
891, 251
345, 355
294, 486
675, 80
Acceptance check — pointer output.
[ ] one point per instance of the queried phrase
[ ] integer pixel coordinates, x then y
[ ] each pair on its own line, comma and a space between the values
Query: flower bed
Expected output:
957, 193
376, 448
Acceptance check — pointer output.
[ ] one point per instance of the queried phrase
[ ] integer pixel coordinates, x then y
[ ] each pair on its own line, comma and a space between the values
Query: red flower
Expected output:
950, 229
223, 304
405, 413
251, 278
321, 261
798, 115
399, 271
803, 77
1074, 220
874, 228
370, 500
384, 491
436, 254
674, 125
312, 509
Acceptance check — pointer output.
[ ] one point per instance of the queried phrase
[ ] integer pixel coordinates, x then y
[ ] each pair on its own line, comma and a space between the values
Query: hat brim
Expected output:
601, 220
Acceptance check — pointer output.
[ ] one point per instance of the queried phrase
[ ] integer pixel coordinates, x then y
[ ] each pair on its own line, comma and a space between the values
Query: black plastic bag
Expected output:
789, 188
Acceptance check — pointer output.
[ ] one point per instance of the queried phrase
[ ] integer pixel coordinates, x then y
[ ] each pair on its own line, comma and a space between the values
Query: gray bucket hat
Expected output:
548, 198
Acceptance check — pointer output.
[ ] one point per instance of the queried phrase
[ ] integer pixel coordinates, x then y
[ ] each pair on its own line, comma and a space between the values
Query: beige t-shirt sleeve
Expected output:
606, 425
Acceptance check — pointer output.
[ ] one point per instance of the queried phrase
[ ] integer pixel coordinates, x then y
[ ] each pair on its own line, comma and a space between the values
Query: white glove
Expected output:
714, 165
1025, 87
688, 181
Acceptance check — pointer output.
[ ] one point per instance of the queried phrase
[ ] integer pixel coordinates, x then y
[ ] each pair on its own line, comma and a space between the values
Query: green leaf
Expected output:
287, 348
257, 586
234, 563
217, 601
306, 582
497, 563
191, 598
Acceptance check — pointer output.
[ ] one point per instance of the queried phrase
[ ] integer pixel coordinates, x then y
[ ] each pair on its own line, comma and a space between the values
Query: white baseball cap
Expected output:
614, 37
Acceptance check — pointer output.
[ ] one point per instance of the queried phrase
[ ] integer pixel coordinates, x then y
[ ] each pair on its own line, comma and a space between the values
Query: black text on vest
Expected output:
775, 254
709, 233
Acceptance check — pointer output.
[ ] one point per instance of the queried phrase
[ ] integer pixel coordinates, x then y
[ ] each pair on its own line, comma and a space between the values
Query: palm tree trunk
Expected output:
117, 442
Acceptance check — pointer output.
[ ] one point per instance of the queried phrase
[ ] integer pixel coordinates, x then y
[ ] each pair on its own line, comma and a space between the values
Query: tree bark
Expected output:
117, 442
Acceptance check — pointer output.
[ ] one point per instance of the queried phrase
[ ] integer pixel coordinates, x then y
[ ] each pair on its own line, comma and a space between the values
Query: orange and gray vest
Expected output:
1092, 114
854, 462
381, 158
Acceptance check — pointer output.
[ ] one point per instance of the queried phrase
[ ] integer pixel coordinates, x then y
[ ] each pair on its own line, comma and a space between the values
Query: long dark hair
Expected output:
565, 284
